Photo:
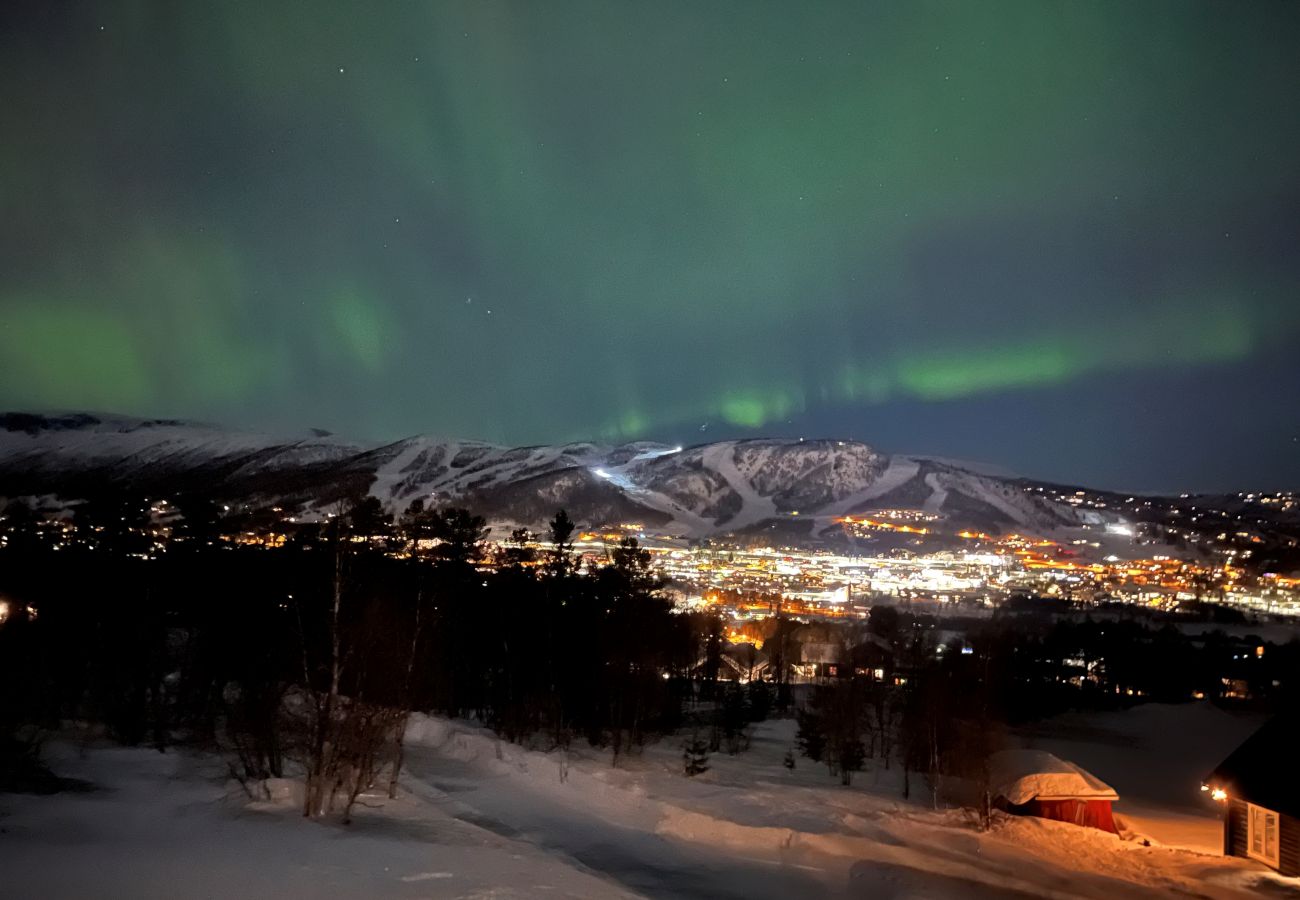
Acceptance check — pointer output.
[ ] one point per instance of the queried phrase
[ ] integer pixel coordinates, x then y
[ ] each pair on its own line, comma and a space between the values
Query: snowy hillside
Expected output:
728, 486
476, 817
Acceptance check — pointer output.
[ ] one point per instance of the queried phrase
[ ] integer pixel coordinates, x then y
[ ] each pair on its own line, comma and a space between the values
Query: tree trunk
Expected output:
321, 776
399, 736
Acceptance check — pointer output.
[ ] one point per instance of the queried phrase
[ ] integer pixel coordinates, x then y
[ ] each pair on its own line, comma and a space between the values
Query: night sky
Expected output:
1063, 238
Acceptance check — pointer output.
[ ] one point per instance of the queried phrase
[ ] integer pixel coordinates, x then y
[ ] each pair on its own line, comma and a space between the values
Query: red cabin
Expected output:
1036, 783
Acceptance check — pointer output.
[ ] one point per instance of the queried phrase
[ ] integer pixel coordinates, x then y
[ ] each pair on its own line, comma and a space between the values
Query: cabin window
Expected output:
1262, 834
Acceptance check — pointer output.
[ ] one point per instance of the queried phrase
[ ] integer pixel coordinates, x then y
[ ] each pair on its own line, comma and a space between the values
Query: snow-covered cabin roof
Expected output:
1024, 775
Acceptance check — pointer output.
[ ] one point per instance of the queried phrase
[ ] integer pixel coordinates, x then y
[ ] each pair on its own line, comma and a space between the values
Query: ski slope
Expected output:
698, 491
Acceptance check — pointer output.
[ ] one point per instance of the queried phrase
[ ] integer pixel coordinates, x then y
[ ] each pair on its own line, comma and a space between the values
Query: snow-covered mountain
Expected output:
802, 486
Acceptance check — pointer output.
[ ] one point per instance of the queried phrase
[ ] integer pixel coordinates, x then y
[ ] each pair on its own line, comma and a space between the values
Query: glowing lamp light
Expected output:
1219, 794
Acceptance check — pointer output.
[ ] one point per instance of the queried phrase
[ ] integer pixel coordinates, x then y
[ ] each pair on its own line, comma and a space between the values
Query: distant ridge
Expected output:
738, 486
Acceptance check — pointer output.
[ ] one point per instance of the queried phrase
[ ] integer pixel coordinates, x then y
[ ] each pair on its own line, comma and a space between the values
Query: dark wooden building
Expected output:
1259, 786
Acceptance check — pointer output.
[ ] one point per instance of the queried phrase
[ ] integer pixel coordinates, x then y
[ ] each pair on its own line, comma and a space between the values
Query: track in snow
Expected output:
624, 849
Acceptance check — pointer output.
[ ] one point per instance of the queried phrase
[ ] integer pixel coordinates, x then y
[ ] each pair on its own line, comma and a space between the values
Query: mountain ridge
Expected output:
712, 488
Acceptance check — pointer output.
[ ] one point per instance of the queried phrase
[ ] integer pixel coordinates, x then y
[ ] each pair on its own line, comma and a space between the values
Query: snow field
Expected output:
477, 817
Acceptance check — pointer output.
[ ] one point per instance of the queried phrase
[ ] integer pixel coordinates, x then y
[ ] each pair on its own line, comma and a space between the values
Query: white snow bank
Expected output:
750, 822
426, 731
169, 826
1023, 775
478, 817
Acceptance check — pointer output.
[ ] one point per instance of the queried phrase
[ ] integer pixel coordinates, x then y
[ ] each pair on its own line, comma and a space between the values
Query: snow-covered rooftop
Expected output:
1024, 775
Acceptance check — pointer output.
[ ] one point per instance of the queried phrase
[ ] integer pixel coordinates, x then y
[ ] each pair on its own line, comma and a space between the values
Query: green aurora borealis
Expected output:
532, 222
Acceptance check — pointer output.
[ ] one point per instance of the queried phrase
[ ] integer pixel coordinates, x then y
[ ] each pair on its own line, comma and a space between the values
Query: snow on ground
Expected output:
390, 476
778, 833
898, 471
481, 818
618, 475
171, 826
934, 503
721, 458
1156, 756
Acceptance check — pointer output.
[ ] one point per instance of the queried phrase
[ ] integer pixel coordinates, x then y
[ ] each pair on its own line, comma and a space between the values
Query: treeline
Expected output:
306, 659
902, 699
315, 652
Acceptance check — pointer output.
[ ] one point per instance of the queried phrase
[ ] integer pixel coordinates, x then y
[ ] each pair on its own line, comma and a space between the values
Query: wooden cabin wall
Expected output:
1234, 828
1288, 855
